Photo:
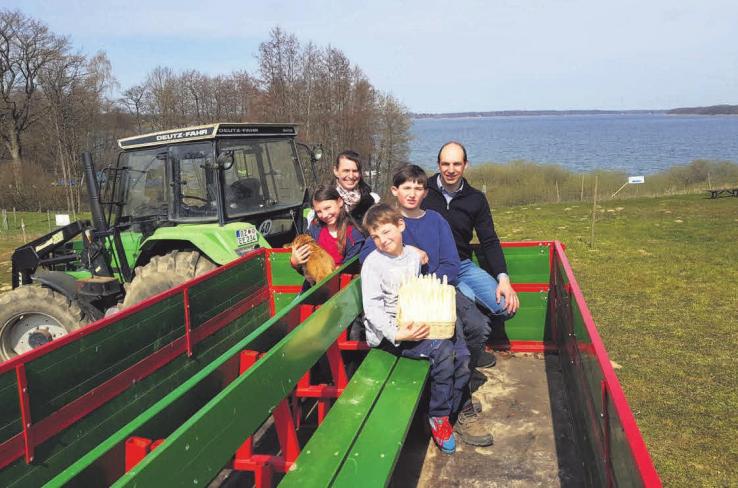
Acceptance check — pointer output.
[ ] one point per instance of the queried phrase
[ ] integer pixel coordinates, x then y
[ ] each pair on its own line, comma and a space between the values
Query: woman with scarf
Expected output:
357, 196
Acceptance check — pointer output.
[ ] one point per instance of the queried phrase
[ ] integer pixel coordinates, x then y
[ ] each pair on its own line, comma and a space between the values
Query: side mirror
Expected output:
225, 160
316, 153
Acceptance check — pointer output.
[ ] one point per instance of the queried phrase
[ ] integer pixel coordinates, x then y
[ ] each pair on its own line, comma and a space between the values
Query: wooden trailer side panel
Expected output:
83, 387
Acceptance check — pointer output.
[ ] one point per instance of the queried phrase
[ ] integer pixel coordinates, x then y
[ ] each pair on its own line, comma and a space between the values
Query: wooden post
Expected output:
23, 230
48, 219
581, 196
15, 218
5, 220
709, 184
558, 196
594, 212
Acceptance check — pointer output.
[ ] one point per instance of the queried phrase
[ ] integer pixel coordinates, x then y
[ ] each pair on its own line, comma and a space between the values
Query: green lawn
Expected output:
662, 285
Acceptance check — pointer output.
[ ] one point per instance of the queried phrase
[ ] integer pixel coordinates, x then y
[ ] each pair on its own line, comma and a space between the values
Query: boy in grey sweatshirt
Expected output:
381, 275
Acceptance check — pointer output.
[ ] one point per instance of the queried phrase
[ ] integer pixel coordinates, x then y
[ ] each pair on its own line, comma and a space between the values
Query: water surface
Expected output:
634, 143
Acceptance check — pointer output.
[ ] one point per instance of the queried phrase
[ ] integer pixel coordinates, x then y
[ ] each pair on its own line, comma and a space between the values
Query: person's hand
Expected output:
505, 289
423, 255
412, 332
300, 255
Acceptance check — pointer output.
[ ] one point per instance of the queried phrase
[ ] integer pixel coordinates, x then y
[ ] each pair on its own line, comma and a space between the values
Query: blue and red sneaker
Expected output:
443, 434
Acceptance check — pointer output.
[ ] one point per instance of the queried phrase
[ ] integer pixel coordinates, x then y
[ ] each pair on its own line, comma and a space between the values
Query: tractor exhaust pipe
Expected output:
101, 266
93, 189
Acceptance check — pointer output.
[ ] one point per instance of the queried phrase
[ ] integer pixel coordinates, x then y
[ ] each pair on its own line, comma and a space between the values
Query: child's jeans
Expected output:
449, 369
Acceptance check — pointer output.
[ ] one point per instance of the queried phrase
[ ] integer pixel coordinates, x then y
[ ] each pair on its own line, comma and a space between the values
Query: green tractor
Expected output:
177, 204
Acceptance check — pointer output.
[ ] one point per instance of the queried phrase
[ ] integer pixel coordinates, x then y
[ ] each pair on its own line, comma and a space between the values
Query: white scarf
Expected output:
350, 197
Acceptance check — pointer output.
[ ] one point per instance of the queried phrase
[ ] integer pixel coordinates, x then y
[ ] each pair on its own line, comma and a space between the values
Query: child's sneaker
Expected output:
443, 434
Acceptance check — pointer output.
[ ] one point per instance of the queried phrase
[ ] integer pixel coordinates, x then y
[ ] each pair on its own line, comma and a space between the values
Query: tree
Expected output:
162, 98
392, 140
133, 101
74, 90
278, 67
26, 48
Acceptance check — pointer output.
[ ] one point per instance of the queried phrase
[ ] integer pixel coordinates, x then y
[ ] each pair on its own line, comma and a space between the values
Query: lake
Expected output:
633, 143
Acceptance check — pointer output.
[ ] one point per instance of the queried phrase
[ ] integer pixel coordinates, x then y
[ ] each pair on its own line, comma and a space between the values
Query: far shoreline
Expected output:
711, 110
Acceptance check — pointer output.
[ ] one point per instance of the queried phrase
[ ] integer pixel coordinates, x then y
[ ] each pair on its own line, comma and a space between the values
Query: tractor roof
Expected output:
210, 131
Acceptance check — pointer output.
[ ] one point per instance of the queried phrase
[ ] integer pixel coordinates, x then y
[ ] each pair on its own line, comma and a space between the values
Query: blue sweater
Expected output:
432, 234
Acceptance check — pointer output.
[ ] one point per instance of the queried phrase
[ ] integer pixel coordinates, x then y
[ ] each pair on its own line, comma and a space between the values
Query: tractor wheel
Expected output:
165, 272
31, 316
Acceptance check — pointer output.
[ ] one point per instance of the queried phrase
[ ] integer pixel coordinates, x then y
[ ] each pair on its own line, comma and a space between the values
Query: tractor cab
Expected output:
218, 173
177, 204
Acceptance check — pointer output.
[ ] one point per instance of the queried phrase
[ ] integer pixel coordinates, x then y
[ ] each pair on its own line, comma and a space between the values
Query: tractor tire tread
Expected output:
31, 298
164, 272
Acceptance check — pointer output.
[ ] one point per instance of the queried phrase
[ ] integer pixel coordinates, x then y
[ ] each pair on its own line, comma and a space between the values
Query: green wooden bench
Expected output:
384, 388
360, 440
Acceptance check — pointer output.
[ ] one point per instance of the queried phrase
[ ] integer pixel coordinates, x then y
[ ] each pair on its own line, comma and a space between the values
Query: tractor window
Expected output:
143, 182
264, 175
194, 187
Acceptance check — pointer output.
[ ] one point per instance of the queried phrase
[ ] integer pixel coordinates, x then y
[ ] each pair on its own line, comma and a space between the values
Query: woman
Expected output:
357, 196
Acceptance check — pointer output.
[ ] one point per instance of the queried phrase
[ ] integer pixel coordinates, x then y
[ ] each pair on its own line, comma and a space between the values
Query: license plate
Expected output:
244, 237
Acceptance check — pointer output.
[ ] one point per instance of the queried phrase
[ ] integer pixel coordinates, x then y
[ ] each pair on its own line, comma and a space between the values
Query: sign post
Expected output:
61, 219
632, 180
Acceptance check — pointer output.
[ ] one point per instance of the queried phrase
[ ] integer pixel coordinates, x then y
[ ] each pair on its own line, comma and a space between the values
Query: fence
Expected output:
22, 227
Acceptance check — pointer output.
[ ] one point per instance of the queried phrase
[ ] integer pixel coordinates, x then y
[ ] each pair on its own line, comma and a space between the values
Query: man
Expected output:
466, 209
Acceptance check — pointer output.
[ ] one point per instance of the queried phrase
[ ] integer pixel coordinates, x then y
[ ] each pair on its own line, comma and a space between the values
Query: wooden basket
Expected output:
438, 330
424, 298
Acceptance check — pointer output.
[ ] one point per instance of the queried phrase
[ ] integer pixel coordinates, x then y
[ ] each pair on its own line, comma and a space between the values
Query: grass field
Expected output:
662, 284
36, 224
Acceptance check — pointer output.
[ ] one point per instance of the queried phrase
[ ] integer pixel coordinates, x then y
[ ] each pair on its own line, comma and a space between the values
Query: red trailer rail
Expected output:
58, 402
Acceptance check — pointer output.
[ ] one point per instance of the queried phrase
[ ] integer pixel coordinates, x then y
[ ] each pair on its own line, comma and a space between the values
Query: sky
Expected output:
439, 56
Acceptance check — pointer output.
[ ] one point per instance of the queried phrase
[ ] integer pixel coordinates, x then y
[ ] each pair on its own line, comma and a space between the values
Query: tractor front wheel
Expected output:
165, 272
31, 316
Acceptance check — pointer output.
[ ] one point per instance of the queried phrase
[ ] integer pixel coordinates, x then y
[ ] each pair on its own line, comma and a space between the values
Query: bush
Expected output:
526, 182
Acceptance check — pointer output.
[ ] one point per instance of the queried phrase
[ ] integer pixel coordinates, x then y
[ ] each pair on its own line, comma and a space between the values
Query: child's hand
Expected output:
423, 255
412, 332
300, 255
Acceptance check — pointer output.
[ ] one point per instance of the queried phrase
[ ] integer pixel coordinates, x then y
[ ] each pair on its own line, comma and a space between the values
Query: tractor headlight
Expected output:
241, 251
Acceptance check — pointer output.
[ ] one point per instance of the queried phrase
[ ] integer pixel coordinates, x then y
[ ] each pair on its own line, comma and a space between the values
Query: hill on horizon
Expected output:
723, 109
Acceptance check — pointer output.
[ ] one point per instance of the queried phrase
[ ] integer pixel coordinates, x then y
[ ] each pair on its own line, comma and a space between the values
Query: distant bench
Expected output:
731, 192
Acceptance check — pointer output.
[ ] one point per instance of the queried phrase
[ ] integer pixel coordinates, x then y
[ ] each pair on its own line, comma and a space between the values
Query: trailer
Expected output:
234, 378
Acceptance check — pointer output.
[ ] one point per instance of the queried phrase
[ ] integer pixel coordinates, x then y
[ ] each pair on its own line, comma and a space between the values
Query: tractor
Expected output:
177, 204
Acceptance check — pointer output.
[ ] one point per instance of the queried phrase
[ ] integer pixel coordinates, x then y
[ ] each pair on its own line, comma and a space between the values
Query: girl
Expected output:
333, 229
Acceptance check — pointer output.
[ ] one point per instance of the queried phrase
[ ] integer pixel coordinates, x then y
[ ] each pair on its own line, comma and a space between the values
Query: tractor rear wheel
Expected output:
31, 316
165, 272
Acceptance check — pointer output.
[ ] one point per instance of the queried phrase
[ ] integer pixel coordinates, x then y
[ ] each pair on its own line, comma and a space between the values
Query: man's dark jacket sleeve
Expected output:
489, 242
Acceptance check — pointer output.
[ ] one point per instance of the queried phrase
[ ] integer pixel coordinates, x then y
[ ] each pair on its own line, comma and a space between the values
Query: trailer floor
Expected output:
525, 407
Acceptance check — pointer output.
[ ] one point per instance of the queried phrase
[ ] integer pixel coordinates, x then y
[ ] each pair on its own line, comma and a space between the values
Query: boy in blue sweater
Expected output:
425, 230
430, 234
